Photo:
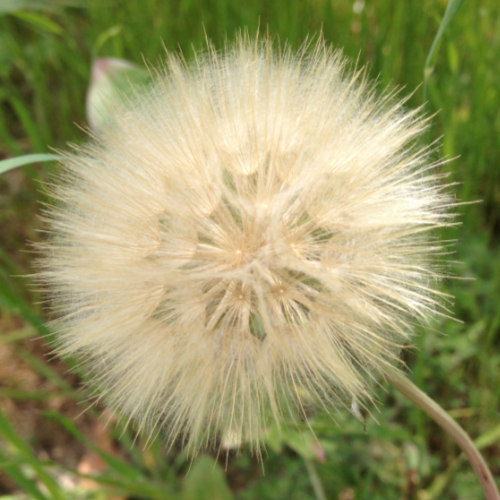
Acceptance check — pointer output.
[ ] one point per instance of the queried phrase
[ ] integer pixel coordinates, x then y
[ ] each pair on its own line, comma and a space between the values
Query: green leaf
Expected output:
302, 441
19, 161
274, 439
39, 21
205, 480
453, 57
489, 438
11, 6
105, 36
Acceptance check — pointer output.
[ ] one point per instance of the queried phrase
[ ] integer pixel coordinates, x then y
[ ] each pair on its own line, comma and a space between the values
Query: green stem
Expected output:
406, 387
315, 480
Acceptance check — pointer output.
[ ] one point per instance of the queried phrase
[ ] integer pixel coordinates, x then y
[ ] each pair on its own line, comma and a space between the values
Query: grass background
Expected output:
49, 450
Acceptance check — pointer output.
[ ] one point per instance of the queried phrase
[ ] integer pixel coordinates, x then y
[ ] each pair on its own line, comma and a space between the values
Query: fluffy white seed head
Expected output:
250, 237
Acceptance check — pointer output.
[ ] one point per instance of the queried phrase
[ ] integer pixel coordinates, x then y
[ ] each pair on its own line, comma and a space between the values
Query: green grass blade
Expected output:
126, 476
19, 161
449, 14
17, 335
47, 372
14, 469
14, 303
11, 6
120, 474
39, 21
22, 450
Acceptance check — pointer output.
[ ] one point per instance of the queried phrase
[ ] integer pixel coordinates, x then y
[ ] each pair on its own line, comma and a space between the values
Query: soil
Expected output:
24, 397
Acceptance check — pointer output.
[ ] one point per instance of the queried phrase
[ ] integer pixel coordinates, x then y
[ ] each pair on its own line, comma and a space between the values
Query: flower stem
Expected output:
406, 387
319, 492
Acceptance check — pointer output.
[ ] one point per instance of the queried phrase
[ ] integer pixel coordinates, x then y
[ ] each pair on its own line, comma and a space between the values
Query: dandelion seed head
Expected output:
250, 237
